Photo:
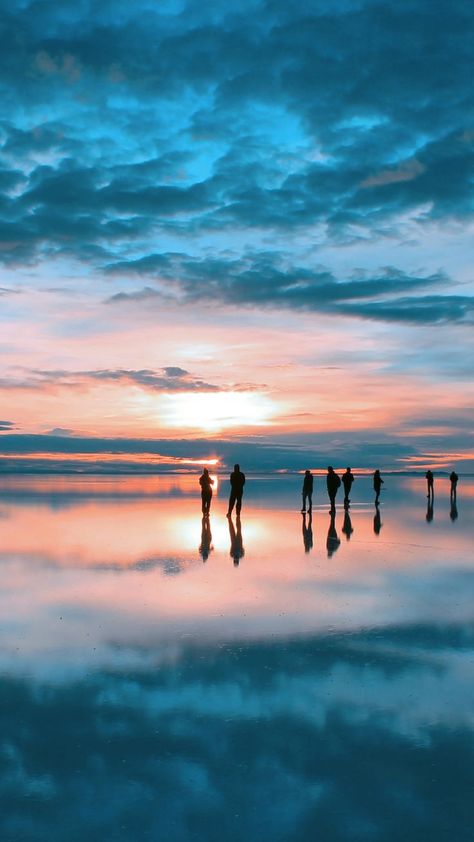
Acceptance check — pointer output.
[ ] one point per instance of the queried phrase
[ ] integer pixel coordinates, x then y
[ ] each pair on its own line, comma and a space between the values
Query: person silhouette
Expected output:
236, 541
332, 482
237, 482
308, 532
453, 477
347, 525
307, 491
430, 483
347, 480
377, 521
378, 482
206, 482
205, 547
332, 541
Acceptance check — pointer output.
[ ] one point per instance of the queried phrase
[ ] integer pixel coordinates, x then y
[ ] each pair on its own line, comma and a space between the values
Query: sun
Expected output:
216, 411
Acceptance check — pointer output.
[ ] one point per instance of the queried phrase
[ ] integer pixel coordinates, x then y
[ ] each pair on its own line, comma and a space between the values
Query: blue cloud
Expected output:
184, 119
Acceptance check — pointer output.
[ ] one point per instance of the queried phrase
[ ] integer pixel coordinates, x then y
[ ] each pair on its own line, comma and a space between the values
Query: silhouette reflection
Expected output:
236, 542
347, 527
453, 513
429, 508
205, 547
333, 541
377, 520
308, 532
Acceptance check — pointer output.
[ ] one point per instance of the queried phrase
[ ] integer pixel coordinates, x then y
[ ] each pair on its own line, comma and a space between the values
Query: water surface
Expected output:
165, 677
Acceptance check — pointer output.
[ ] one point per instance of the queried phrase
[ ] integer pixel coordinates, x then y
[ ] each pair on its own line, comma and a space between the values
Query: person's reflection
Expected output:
308, 532
430, 509
333, 540
205, 547
236, 542
377, 521
347, 527
453, 514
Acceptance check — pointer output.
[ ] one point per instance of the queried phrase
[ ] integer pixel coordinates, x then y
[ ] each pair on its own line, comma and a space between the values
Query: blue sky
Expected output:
233, 173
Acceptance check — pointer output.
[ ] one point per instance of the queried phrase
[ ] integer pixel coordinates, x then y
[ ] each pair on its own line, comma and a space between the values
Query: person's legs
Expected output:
232, 500
303, 507
310, 501
239, 504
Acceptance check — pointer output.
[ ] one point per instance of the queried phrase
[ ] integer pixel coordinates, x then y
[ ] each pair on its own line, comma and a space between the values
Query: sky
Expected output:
236, 231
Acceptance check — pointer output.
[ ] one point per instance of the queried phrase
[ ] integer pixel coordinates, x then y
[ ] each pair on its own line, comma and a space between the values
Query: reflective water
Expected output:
168, 678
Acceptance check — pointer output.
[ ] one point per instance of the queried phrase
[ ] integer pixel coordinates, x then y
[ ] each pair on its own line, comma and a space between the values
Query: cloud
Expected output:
266, 279
312, 722
6, 425
191, 119
168, 379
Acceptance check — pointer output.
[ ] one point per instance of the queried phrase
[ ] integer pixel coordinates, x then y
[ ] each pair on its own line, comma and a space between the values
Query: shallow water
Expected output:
164, 678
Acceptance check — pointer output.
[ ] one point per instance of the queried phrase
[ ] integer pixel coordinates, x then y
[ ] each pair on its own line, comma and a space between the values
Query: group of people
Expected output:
333, 483
453, 478
237, 482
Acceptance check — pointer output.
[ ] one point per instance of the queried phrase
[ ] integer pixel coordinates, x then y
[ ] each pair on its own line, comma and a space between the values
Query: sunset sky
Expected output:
237, 231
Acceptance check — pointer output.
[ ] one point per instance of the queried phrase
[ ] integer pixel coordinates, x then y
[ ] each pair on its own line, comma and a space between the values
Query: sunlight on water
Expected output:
170, 677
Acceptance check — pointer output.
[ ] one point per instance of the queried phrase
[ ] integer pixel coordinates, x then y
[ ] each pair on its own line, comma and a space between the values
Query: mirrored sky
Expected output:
162, 676
250, 224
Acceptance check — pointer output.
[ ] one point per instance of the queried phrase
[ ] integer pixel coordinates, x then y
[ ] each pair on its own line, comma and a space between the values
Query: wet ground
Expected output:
282, 678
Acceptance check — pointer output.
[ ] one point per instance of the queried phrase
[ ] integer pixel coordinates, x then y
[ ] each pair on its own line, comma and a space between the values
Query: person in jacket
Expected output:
237, 482
453, 478
378, 482
307, 491
333, 483
347, 480
430, 483
206, 482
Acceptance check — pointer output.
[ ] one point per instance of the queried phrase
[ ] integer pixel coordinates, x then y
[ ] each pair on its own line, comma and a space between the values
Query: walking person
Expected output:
206, 482
307, 491
333, 483
237, 482
347, 480
378, 482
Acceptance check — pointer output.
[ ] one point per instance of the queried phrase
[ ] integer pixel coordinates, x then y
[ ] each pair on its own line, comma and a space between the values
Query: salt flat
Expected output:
165, 677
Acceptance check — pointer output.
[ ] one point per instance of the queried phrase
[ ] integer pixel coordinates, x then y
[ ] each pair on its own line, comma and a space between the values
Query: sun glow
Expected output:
215, 411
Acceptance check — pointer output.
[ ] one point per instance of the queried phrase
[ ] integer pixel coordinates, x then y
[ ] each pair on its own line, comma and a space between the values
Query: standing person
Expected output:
347, 480
333, 482
206, 482
237, 482
454, 485
378, 482
307, 491
430, 483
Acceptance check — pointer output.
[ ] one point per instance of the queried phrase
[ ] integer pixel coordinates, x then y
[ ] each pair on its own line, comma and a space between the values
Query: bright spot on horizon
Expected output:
215, 411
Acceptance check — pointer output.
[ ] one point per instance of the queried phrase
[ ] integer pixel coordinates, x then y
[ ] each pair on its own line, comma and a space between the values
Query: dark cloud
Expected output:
267, 453
196, 118
266, 280
6, 425
168, 379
